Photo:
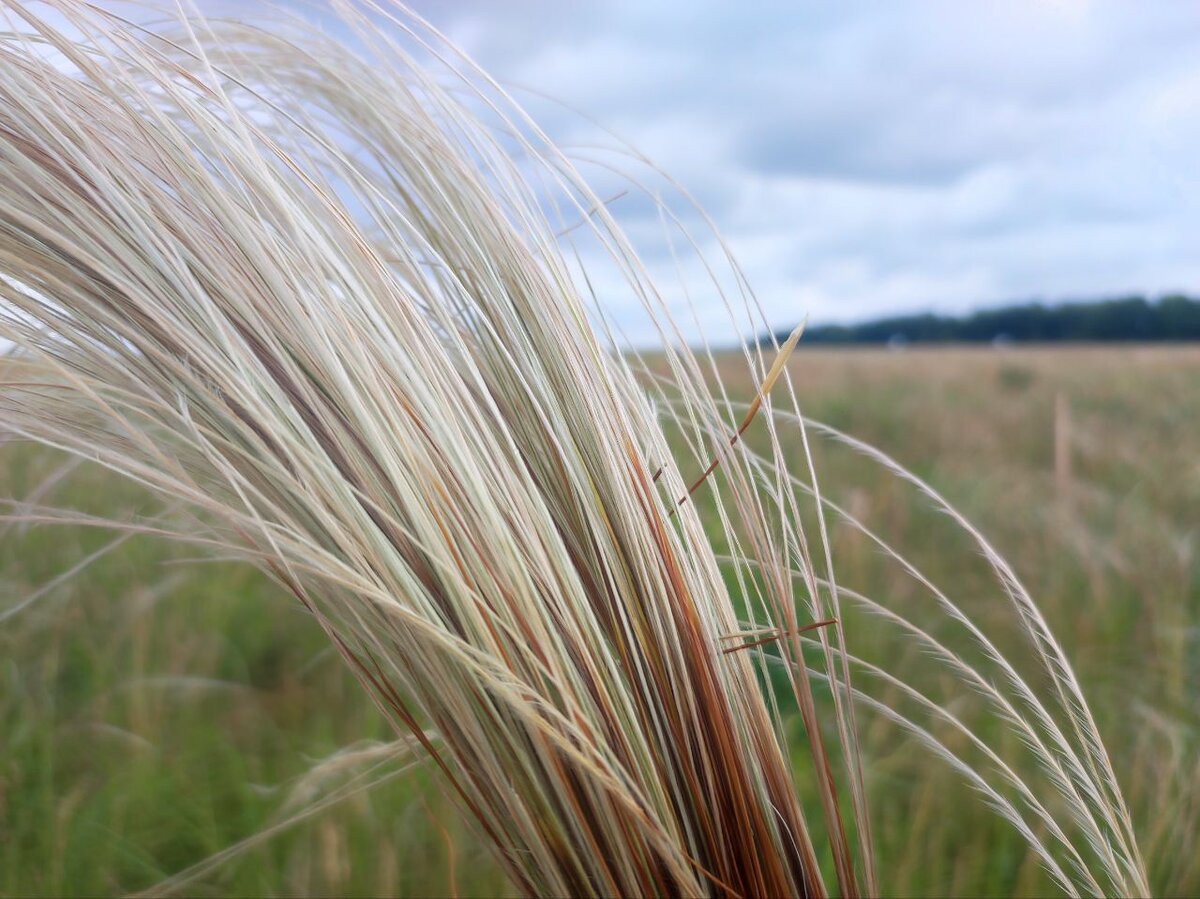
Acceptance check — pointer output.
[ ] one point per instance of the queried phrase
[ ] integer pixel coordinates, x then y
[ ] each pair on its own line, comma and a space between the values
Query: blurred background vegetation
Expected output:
1131, 319
156, 708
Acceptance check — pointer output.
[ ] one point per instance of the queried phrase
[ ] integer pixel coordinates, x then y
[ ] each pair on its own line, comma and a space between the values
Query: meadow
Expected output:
157, 708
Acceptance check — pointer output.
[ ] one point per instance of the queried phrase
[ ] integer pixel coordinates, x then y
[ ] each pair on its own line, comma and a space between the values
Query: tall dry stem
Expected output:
332, 296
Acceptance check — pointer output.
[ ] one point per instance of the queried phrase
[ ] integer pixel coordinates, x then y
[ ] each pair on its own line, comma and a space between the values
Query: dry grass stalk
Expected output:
1062, 447
306, 291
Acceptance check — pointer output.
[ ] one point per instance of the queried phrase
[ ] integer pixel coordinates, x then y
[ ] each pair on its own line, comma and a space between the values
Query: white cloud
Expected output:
891, 157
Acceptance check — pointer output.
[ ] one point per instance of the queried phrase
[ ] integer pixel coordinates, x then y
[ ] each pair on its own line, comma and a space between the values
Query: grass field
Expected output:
155, 710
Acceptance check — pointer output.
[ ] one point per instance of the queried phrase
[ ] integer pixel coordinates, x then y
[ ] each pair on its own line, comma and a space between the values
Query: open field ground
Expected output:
155, 710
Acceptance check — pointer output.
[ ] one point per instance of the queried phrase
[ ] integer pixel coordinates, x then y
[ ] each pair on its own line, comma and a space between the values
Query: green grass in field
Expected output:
154, 710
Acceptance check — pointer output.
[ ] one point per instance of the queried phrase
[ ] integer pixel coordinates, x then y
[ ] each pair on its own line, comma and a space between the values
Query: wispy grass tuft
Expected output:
328, 295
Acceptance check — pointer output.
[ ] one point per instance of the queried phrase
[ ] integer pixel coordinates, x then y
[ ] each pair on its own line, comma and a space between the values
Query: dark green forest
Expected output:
1169, 318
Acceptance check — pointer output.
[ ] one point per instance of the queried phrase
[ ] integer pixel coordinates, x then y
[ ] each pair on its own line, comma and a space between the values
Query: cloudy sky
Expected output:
863, 159
890, 157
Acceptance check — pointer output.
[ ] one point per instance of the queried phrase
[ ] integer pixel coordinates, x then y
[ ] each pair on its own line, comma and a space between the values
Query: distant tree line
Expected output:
1169, 318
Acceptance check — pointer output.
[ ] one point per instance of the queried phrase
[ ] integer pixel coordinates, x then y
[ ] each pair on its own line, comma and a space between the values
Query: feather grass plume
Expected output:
328, 304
